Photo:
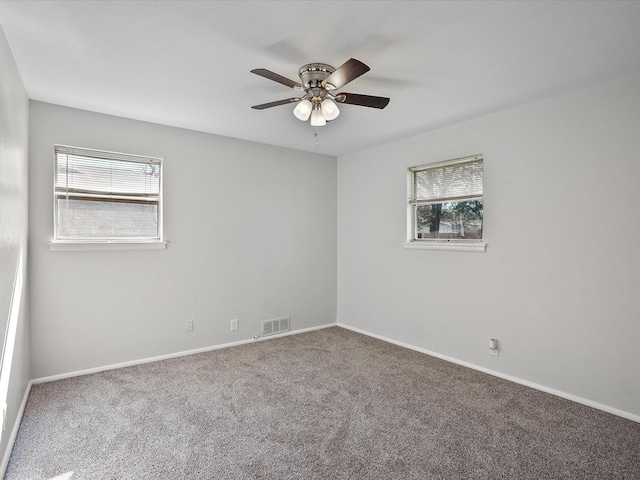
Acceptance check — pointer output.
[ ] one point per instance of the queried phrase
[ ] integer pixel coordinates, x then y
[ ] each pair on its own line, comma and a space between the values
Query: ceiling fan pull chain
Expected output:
315, 134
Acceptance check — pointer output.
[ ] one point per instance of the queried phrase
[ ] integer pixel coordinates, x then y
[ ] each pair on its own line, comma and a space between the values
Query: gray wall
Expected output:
251, 231
14, 121
558, 284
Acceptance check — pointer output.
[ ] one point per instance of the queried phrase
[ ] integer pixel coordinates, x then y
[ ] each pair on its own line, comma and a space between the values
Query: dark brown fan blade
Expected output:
276, 103
362, 100
263, 72
351, 70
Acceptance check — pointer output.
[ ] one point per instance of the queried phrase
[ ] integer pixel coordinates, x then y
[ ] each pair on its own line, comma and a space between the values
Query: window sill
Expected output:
57, 245
460, 247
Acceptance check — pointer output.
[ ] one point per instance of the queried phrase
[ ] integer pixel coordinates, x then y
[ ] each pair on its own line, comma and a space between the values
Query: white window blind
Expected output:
452, 181
107, 196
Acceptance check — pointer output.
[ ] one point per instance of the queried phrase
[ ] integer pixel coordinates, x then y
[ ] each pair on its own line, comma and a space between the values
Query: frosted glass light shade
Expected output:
303, 110
317, 118
330, 109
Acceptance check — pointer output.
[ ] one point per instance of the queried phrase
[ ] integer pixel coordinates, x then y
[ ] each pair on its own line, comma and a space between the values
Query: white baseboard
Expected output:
552, 391
16, 426
14, 431
142, 361
527, 383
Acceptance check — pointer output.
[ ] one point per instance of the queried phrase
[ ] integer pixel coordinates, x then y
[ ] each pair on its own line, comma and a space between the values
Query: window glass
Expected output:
446, 200
106, 196
449, 220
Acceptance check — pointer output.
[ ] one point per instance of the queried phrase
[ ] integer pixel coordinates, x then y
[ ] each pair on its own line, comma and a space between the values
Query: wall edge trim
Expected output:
14, 430
141, 361
558, 393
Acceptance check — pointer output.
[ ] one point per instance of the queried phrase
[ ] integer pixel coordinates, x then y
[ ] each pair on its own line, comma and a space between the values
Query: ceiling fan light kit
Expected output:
303, 110
330, 109
317, 118
317, 81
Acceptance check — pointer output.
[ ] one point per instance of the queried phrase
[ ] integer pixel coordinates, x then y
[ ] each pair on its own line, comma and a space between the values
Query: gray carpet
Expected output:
329, 404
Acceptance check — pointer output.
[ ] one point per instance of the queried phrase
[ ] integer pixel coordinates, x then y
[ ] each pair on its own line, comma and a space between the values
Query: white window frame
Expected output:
469, 245
107, 243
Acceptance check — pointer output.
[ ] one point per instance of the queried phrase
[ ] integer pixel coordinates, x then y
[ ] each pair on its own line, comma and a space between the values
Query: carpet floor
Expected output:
327, 404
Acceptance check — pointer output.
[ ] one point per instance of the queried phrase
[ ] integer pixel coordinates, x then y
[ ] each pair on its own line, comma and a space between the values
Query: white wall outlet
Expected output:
188, 326
234, 324
494, 346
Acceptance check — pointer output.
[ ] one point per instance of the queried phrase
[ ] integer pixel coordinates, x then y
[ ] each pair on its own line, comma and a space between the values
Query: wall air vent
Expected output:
277, 325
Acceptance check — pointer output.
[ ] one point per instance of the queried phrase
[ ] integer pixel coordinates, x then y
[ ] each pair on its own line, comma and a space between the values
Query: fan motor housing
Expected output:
313, 74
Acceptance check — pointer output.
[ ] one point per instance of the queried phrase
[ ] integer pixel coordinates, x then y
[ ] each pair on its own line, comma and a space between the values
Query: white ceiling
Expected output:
187, 64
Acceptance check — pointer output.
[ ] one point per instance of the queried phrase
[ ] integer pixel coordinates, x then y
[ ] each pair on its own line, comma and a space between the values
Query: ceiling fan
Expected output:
318, 81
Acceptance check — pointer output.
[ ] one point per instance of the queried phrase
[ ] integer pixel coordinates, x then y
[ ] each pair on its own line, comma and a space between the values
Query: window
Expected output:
446, 202
106, 197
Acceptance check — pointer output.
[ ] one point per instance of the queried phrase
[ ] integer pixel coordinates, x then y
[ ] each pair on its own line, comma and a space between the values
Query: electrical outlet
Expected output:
234, 324
188, 326
494, 347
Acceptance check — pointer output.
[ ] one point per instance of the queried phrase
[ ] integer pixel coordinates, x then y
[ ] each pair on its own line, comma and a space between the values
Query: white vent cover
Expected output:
277, 325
